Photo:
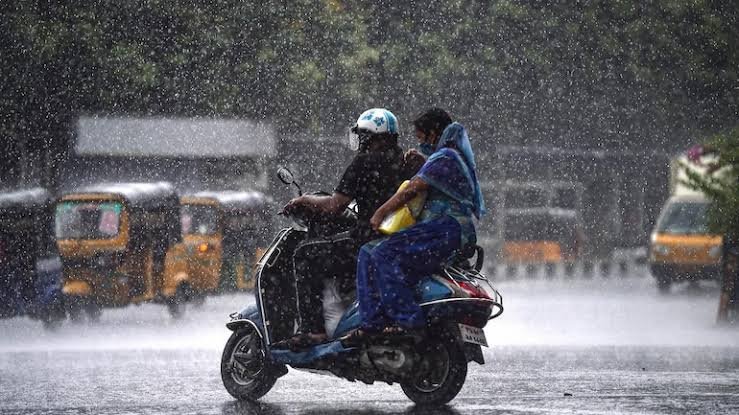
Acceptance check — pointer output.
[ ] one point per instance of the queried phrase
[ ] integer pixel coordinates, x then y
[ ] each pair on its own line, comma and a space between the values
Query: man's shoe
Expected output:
304, 340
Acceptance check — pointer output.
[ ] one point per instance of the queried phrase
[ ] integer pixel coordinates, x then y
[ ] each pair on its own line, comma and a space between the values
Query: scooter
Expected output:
431, 370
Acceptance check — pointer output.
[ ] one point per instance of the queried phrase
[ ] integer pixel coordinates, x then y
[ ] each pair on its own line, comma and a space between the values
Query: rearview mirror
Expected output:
285, 175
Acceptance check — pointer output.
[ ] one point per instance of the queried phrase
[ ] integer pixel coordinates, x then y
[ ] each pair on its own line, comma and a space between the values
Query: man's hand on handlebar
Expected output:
318, 204
294, 205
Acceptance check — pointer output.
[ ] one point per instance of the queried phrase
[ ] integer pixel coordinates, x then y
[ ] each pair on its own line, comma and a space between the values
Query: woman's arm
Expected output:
415, 186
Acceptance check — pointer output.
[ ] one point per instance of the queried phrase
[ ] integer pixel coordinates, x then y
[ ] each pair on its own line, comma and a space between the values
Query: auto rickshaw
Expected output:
113, 239
223, 237
542, 236
30, 268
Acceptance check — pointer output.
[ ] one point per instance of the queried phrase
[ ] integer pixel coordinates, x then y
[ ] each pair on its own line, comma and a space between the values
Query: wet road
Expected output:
562, 346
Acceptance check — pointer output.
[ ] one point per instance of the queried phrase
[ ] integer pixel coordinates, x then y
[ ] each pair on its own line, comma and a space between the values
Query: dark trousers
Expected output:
316, 260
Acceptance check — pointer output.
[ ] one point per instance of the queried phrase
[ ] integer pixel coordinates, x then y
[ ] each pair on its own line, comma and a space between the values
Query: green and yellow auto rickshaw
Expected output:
223, 236
113, 239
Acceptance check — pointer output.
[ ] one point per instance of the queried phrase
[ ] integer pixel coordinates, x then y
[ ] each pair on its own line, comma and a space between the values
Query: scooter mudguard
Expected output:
308, 357
429, 289
249, 316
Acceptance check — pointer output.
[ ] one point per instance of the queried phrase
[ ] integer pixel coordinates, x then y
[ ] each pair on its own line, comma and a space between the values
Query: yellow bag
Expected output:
404, 216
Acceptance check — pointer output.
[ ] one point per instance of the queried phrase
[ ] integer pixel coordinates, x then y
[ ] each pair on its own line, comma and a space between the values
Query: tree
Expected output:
613, 74
722, 187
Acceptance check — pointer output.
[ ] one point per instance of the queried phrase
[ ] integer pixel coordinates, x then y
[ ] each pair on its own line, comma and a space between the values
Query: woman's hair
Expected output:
434, 119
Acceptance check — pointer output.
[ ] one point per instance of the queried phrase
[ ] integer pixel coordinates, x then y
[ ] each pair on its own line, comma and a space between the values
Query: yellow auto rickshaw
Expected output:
541, 236
113, 240
223, 236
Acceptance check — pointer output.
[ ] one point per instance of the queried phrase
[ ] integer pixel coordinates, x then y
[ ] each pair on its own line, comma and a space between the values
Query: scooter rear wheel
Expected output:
441, 375
245, 372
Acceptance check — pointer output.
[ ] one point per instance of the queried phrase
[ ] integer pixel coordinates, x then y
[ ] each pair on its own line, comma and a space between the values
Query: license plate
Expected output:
473, 335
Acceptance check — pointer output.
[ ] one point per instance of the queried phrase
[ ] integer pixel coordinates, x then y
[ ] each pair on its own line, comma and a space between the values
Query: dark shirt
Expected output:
371, 179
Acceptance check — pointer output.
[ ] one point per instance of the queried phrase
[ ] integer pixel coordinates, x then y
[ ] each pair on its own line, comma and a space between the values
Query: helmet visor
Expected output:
353, 138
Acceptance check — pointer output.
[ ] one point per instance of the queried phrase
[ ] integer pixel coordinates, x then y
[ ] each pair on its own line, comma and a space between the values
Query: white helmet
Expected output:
374, 121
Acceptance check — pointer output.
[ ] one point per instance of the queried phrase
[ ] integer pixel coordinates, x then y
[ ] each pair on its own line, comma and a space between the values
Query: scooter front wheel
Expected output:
245, 371
440, 374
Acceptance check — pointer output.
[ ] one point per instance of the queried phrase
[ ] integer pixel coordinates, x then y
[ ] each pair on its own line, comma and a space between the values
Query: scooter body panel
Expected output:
430, 289
307, 358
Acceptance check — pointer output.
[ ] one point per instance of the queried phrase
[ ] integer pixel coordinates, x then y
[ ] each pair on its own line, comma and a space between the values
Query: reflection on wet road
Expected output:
562, 346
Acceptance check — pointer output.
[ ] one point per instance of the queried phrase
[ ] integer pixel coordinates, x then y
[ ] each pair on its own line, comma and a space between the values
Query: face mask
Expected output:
426, 149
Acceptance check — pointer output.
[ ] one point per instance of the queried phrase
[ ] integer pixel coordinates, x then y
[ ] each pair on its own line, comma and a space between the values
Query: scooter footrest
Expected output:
305, 357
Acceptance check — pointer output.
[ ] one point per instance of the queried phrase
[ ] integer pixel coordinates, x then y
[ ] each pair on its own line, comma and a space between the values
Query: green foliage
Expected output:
598, 73
722, 187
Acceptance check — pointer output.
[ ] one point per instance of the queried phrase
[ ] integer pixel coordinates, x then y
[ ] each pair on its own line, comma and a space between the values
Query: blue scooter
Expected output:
431, 370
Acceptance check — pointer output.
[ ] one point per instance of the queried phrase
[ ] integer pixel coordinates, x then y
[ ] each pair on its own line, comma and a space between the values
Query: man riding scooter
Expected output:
370, 179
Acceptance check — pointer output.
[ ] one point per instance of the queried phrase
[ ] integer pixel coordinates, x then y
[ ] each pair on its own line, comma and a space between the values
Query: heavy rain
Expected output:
375, 207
